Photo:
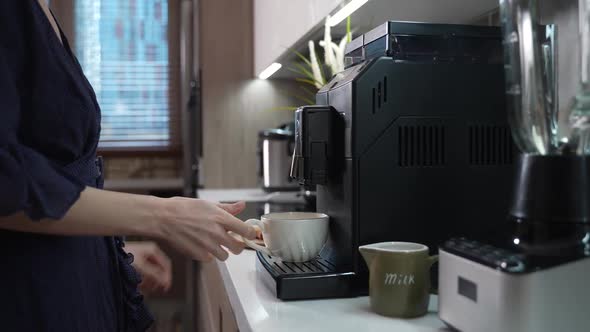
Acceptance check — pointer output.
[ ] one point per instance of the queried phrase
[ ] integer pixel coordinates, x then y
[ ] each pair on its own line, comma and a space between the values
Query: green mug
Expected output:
399, 278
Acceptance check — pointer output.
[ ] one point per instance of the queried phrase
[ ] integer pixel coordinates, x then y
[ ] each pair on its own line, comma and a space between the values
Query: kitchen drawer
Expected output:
213, 309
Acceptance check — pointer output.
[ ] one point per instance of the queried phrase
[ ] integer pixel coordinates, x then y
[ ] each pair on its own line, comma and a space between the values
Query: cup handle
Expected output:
251, 244
431, 261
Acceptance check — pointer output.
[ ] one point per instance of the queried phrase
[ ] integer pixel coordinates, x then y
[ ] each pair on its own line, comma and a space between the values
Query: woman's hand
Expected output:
199, 228
152, 264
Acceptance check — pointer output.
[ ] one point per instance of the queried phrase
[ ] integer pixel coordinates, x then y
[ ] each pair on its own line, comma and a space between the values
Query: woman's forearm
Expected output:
195, 227
98, 212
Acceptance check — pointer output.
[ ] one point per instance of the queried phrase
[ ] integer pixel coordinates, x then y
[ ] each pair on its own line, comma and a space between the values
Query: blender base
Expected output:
478, 297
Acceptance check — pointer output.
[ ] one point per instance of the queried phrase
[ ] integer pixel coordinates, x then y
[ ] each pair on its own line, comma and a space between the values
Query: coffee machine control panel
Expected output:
510, 256
486, 254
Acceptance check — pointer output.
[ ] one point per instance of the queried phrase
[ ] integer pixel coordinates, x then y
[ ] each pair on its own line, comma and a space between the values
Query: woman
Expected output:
63, 268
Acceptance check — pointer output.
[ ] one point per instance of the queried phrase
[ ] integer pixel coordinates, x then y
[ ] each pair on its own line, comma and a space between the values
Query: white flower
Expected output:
329, 55
334, 54
315, 66
340, 53
338, 50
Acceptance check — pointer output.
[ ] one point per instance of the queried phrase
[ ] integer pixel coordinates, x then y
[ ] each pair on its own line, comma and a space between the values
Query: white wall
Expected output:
278, 24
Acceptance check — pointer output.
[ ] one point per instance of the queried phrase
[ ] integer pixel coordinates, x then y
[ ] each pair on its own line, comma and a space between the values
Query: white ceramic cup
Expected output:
291, 236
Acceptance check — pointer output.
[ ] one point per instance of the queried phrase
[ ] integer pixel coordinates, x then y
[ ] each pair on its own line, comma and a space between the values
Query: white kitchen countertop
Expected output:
257, 310
247, 195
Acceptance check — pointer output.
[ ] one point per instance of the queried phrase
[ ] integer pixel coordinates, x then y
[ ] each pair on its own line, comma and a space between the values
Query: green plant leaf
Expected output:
322, 82
308, 76
302, 70
302, 57
348, 30
306, 81
297, 71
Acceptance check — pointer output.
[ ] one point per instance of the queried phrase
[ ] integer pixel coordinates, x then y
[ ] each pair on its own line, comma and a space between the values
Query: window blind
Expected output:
124, 48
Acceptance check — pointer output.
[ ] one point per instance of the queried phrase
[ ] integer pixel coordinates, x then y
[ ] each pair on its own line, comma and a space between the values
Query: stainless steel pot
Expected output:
275, 148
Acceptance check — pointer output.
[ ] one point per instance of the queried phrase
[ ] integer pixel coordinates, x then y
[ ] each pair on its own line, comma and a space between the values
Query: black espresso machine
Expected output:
409, 143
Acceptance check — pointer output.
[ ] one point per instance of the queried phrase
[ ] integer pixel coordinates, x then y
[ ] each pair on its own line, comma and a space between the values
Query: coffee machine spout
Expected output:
295, 172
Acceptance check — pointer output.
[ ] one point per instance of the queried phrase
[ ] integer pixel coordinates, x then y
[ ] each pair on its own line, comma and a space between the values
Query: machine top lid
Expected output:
431, 29
355, 44
428, 43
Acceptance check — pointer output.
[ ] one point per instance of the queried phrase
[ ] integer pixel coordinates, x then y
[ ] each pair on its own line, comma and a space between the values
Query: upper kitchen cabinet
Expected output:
280, 24
285, 25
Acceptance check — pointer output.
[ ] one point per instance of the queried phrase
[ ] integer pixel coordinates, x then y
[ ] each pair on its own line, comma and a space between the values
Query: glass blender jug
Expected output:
532, 81
551, 205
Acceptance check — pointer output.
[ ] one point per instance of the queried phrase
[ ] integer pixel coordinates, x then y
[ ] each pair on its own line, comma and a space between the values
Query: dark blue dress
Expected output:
49, 129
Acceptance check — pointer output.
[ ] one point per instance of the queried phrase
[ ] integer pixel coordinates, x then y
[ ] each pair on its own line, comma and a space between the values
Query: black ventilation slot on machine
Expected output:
374, 95
421, 146
490, 145
379, 96
384, 89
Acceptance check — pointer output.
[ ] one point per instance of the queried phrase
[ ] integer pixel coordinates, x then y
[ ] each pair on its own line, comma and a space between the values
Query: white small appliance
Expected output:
484, 288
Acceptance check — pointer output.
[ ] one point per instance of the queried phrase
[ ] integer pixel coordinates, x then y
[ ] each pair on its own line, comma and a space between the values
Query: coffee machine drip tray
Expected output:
318, 278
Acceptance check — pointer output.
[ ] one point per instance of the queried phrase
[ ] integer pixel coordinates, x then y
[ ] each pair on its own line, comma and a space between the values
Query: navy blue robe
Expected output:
49, 130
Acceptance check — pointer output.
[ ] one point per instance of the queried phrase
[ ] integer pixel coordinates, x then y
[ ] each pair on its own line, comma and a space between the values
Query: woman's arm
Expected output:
195, 227
98, 212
